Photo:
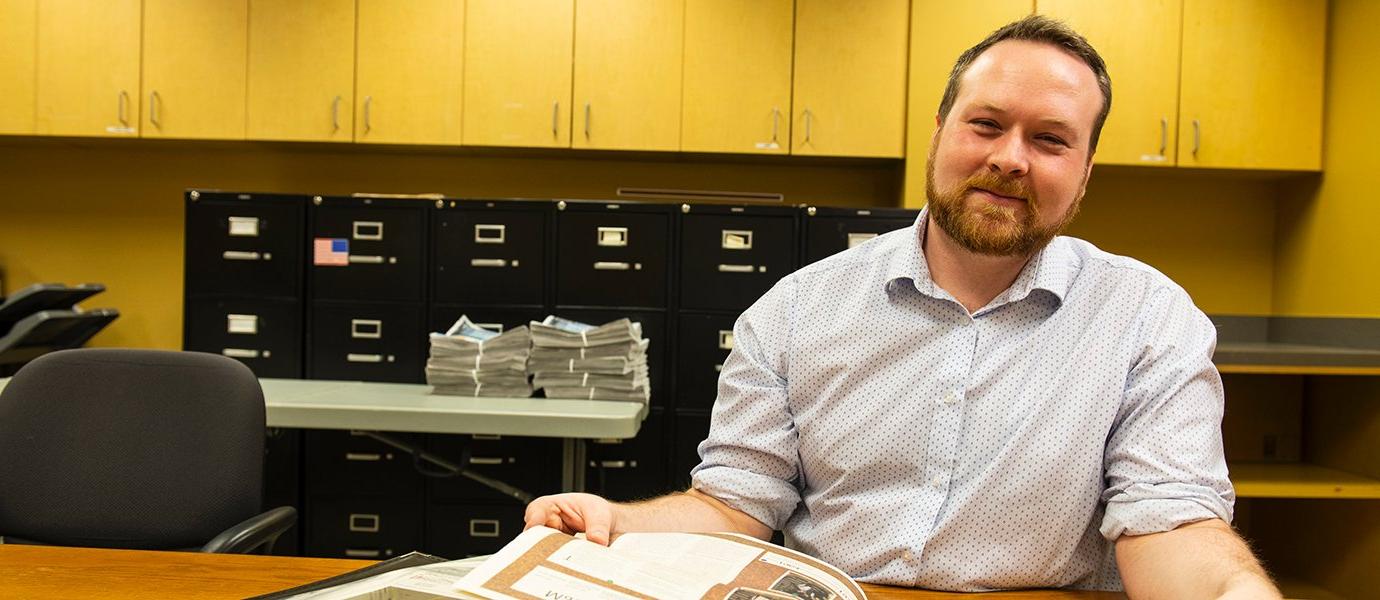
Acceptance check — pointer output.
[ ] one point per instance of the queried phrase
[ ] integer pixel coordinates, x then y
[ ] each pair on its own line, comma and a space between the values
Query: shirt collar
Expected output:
1052, 269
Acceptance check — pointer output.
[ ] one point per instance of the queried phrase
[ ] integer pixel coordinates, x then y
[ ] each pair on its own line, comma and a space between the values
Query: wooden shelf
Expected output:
1299, 480
1295, 359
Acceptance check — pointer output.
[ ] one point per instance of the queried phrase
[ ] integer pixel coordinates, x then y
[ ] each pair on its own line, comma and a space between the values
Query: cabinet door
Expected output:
850, 77
517, 72
410, 71
1252, 84
628, 74
88, 67
737, 76
933, 51
18, 19
1139, 40
194, 68
301, 70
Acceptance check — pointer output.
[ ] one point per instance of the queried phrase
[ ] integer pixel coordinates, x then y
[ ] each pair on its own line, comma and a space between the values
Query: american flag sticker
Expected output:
332, 252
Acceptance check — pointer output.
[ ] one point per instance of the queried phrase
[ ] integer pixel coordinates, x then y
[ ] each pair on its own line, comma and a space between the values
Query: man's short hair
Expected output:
1041, 29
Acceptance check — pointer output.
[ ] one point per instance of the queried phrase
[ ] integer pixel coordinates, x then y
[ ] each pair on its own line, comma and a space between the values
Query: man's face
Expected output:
1009, 165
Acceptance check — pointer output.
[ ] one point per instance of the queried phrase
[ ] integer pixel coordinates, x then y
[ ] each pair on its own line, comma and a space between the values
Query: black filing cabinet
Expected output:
364, 498
830, 230
263, 333
631, 469
705, 341
613, 254
368, 249
490, 252
458, 531
368, 341
731, 255
246, 245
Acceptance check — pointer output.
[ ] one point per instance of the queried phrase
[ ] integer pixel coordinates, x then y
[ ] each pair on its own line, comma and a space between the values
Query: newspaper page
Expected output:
546, 564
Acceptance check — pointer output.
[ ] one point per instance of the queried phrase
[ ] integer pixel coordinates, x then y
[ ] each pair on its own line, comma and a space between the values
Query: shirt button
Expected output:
949, 398
907, 556
938, 481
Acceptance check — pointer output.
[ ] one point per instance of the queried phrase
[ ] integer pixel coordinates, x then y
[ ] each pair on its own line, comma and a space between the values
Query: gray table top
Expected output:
396, 407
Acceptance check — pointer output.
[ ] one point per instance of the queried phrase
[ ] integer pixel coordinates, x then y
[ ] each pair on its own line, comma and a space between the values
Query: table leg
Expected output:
572, 465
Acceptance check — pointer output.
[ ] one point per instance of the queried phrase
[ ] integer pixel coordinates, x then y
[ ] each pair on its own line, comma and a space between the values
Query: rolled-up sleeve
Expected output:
750, 459
1164, 461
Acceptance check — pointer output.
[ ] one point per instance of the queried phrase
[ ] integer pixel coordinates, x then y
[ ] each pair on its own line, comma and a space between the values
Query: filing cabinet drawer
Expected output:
631, 469
691, 429
490, 252
283, 482
244, 244
368, 249
369, 527
460, 531
445, 315
341, 462
612, 256
653, 328
729, 259
265, 335
704, 341
830, 230
368, 342
529, 464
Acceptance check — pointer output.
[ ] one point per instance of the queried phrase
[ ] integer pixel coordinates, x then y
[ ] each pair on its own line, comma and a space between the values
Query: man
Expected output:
974, 403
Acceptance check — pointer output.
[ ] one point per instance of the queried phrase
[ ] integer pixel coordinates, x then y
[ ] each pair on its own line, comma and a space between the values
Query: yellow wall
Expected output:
1327, 261
111, 212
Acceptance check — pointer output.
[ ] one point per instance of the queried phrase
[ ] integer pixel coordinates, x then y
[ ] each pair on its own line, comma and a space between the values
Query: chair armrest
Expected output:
260, 530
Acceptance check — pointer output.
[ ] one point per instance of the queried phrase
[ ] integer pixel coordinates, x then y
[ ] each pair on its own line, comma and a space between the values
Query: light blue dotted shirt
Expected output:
884, 429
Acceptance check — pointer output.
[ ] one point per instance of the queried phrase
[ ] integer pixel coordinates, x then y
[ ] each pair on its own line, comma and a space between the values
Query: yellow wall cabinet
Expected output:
850, 77
1143, 126
301, 70
518, 56
194, 68
17, 59
737, 95
1252, 84
410, 66
88, 68
627, 88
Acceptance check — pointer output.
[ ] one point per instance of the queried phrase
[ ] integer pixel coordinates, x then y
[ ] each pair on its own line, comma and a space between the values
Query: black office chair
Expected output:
135, 449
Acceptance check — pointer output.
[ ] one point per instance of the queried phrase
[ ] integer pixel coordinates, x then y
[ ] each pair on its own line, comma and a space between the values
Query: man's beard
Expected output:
987, 228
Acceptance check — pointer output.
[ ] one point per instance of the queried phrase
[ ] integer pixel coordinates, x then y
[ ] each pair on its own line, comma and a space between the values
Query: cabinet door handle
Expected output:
735, 268
154, 99
335, 114
364, 259
488, 262
123, 100
809, 120
364, 358
555, 118
586, 120
362, 553
1197, 137
611, 266
486, 460
1164, 135
775, 123
239, 353
239, 255
363, 456
368, 100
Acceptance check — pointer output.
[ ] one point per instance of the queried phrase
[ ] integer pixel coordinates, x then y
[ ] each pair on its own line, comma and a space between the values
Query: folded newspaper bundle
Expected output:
469, 360
574, 360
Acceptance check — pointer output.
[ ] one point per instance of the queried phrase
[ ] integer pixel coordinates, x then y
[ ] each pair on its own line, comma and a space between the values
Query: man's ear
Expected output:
938, 125
1087, 174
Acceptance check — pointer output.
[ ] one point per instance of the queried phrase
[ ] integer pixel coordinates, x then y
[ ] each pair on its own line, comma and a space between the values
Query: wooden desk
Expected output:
51, 572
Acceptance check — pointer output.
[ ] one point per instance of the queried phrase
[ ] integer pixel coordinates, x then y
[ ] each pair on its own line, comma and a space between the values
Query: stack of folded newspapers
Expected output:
574, 360
469, 360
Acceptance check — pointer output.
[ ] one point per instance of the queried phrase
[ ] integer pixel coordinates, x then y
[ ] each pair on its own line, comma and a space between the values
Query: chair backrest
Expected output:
129, 448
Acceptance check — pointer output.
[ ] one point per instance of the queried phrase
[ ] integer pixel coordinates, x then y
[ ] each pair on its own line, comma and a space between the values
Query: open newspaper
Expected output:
544, 563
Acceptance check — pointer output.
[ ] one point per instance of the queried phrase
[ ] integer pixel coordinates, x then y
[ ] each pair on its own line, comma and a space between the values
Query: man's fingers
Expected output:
572, 513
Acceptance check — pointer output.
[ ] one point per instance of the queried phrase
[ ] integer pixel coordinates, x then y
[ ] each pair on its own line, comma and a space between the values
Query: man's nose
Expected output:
1008, 156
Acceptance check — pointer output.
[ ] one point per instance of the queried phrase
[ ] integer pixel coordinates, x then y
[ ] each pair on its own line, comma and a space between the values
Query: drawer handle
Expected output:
244, 226
857, 238
488, 262
242, 324
364, 259
362, 553
364, 358
735, 268
736, 239
487, 460
719, 368
364, 522
364, 456
240, 353
611, 266
613, 464
240, 255
485, 528
366, 329
490, 234
613, 236
368, 230
725, 339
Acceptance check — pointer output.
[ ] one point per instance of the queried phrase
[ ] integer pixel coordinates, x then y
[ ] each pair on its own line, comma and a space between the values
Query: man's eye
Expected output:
1053, 140
985, 124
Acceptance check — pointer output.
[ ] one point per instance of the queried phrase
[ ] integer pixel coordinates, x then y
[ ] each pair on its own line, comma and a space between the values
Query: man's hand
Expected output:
574, 513
601, 520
